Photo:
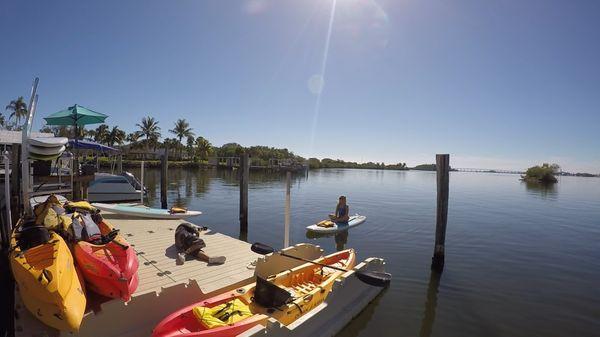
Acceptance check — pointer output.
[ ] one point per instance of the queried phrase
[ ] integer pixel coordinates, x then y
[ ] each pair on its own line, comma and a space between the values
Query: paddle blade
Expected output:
261, 248
375, 278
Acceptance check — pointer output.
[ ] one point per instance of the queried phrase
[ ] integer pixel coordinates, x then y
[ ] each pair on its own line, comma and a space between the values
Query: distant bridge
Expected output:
487, 170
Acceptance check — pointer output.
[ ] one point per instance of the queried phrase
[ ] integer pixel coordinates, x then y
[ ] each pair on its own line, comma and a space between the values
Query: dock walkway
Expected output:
163, 285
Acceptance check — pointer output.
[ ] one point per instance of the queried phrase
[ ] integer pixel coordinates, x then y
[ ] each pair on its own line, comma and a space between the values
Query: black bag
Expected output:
187, 239
269, 295
32, 235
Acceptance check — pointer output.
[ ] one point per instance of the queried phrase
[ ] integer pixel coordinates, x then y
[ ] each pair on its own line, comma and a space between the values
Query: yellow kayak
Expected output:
48, 281
285, 296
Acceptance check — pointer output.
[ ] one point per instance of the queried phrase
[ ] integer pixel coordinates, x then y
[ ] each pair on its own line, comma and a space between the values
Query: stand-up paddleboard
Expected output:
46, 151
144, 212
49, 141
354, 221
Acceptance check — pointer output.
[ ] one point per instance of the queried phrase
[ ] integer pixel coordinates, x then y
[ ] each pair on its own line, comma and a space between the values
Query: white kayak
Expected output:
144, 212
354, 221
43, 156
48, 141
46, 151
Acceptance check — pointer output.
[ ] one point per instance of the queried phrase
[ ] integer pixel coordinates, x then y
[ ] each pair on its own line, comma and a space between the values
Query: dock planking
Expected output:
161, 281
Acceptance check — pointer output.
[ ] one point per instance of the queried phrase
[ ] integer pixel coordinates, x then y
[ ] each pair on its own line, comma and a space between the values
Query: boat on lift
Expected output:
108, 187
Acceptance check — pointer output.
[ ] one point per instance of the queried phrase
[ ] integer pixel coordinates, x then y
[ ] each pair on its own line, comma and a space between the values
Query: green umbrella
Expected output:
76, 116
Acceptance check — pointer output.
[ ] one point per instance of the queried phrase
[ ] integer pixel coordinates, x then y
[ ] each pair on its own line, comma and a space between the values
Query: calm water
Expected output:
520, 260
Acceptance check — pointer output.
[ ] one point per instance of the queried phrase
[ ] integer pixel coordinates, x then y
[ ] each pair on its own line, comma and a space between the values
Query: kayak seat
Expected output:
222, 315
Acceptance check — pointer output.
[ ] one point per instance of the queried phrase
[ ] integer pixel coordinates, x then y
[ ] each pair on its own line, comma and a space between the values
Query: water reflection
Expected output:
430, 304
340, 238
360, 322
546, 191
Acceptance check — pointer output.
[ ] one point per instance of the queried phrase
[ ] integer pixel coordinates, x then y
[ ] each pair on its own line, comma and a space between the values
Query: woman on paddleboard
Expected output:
342, 211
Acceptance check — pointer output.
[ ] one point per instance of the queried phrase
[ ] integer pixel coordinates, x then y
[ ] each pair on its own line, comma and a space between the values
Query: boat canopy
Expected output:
91, 145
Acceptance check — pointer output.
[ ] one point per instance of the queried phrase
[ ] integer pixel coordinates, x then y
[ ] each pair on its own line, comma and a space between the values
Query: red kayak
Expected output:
108, 264
286, 297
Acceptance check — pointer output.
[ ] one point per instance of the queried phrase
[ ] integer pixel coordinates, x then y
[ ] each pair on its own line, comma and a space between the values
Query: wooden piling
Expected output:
164, 163
120, 164
443, 181
288, 187
244, 174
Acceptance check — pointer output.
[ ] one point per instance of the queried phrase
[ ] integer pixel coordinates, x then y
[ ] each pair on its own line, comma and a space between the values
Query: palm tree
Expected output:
18, 109
150, 130
182, 130
204, 147
101, 134
190, 146
170, 144
116, 136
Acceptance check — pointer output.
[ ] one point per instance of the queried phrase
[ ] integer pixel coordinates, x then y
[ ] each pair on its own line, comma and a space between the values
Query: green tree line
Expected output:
315, 163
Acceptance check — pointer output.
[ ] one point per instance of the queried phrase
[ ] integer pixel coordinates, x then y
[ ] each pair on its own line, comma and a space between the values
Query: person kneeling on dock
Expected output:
189, 243
342, 211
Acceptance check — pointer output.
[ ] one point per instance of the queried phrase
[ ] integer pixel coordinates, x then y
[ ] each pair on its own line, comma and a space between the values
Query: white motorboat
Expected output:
114, 187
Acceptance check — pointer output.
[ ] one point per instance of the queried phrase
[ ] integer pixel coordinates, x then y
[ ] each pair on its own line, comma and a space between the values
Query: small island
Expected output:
544, 174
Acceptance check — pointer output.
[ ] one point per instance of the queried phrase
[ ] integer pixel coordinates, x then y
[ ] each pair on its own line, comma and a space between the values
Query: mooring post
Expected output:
288, 187
164, 163
244, 175
120, 164
443, 181
142, 182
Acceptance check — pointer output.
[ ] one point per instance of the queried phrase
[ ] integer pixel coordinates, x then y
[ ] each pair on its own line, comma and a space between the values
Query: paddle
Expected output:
373, 278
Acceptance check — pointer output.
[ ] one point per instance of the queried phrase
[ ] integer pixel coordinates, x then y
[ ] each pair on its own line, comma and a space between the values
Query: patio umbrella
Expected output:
76, 116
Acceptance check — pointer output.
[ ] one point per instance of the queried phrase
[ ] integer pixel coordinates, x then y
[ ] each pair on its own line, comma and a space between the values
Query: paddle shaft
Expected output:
313, 262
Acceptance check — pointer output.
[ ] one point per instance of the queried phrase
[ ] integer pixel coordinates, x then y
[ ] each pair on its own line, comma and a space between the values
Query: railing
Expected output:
487, 170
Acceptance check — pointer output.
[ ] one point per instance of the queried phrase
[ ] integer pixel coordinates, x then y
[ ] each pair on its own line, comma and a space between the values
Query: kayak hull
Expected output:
48, 141
355, 220
109, 269
144, 212
49, 284
46, 151
299, 280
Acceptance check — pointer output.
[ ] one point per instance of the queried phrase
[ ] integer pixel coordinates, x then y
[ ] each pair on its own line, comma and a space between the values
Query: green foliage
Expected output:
18, 110
116, 136
203, 147
544, 173
229, 150
181, 130
425, 167
314, 163
67, 131
149, 128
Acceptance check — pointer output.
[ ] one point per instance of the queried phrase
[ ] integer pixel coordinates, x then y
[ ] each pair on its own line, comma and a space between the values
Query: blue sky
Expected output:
498, 84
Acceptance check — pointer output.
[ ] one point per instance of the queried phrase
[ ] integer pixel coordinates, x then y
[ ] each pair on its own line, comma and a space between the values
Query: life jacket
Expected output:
326, 223
80, 206
176, 210
83, 227
47, 213
222, 315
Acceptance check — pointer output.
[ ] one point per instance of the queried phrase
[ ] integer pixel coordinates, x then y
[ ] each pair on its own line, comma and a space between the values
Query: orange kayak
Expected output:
231, 313
109, 269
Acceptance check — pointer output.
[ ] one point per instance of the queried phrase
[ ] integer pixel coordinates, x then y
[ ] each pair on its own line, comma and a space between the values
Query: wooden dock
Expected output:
163, 287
